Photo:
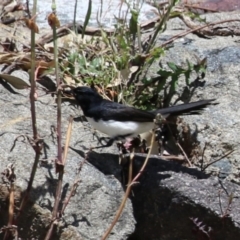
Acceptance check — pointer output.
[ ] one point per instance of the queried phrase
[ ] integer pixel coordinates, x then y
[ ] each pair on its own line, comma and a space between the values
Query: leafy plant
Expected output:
108, 61
159, 91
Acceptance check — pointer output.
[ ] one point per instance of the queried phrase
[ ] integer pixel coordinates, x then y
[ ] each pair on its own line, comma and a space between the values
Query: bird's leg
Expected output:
108, 143
104, 141
160, 121
160, 140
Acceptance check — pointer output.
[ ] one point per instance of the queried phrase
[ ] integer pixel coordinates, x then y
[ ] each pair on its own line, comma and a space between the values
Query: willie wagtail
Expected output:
119, 121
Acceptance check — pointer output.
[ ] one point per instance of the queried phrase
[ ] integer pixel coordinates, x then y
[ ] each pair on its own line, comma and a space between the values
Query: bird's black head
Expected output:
86, 97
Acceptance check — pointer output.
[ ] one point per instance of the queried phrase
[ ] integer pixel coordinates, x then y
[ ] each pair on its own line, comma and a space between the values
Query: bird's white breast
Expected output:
117, 128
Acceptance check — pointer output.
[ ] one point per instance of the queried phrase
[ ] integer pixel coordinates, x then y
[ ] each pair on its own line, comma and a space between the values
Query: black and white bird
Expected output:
119, 121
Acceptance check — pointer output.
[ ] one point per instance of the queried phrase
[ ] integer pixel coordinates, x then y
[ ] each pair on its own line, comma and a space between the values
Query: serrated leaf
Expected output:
16, 82
173, 66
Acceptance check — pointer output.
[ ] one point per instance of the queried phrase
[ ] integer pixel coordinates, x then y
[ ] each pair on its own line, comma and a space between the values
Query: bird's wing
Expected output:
108, 110
185, 109
114, 111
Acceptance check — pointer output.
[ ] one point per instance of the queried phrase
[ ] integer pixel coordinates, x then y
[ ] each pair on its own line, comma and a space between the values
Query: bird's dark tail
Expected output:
185, 109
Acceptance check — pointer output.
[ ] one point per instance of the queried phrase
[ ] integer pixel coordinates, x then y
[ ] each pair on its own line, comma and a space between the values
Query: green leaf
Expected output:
164, 73
161, 84
190, 65
173, 85
97, 63
16, 82
89, 11
173, 66
82, 62
187, 77
133, 23
157, 52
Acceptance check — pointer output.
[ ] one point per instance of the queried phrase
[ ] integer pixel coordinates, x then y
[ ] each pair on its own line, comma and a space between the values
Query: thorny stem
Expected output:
128, 190
33, 87
217, 160
59, 161
146, 160
120, 209
180, 35
185, 155
228, 208
74, 18
59, 91
200, 8
10, 210
160, 25
37, 144
71, 194
74, 186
